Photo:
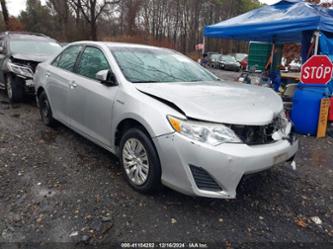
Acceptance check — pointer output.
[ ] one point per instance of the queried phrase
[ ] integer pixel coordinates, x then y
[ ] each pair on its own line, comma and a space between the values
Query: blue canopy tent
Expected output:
287, 21
283, 22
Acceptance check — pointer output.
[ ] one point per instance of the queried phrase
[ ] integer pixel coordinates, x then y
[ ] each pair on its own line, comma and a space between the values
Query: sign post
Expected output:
323, 116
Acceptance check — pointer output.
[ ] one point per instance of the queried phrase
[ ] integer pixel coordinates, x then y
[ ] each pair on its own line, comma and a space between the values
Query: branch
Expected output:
106, 3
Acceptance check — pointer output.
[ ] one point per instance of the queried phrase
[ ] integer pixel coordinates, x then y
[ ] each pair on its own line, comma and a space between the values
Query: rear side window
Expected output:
67, 59
92, 61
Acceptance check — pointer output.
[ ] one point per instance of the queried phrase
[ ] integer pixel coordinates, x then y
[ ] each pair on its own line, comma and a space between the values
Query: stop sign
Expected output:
317, 70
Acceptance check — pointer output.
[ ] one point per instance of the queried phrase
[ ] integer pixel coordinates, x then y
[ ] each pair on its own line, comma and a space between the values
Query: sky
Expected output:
16, 6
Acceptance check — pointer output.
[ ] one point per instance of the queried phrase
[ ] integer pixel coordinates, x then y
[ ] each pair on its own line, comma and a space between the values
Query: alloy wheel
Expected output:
135, 161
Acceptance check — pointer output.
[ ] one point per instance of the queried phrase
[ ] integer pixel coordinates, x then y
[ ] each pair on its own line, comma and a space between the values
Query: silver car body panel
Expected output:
95, 111
220, 102
226, 163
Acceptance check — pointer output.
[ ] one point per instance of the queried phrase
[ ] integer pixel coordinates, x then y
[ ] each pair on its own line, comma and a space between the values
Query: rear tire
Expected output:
140, 161
45, 110
14, 88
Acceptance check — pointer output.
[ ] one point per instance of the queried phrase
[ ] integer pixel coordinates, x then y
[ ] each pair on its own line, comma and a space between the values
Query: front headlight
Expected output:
20, 70
213, 134
283, 127
285, 124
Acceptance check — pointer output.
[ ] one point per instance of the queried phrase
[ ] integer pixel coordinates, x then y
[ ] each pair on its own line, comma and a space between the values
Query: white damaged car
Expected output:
169, 120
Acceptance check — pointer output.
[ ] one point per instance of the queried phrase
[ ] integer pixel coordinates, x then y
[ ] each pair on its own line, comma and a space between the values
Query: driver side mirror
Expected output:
1, 50
107, 78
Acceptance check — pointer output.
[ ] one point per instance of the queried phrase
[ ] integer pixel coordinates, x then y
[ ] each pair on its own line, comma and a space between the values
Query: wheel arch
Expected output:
126, 124
39, 91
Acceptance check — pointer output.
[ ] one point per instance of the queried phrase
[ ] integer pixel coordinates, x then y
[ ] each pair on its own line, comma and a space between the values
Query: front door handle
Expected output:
47, 74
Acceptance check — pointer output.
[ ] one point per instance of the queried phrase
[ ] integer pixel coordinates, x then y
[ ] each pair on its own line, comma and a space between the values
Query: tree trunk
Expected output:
5, 13
93, 30
93, 22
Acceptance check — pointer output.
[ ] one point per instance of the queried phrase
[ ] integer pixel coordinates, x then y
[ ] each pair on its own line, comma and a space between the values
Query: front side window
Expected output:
92, 61
66, 60
142, 65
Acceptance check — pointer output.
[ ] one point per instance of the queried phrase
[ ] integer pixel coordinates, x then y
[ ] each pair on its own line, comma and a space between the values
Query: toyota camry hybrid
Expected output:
170, 121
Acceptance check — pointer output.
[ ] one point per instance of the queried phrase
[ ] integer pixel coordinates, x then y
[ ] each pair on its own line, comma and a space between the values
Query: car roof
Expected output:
25, 35
117, 44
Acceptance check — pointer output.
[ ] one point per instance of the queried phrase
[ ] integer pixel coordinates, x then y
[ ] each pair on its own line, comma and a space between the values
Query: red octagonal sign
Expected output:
317, 70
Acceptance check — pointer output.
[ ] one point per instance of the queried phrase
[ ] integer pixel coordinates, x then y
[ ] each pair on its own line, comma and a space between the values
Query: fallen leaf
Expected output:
301, 222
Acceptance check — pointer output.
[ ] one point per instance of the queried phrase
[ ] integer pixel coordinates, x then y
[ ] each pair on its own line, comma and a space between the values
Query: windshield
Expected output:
229, 58
34, 47
142, 65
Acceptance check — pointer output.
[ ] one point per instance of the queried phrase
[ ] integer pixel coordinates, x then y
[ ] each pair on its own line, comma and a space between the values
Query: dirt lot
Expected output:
56, 186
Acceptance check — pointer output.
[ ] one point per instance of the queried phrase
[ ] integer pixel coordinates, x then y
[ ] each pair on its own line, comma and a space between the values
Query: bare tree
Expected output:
91, 11
176, 24
61, 8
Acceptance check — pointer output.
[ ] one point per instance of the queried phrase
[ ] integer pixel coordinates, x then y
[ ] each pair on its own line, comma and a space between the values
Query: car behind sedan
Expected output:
228, 62
20, 52
213, 60
168, 119
242, 59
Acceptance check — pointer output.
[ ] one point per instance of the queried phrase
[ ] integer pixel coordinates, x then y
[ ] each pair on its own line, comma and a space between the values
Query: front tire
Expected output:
45, 110
140, 161
14, 88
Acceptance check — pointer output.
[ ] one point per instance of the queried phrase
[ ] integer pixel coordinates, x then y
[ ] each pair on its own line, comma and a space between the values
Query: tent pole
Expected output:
316, 42
204, 45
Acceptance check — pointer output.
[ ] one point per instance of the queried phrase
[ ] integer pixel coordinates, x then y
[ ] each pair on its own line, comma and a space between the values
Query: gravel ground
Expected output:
56, 186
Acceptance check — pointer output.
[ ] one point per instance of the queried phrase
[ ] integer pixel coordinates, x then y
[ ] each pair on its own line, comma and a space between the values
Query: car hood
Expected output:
220, 102
31, 57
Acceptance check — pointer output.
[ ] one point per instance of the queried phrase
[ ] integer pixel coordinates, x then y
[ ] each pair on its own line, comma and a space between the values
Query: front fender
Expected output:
149, 112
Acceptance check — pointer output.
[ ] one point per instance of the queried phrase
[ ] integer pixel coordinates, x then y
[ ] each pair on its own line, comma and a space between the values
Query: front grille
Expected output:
33, 65
256, 135
203, 180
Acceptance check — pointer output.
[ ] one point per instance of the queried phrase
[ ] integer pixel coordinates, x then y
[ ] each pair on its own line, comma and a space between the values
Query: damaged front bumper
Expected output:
199, 169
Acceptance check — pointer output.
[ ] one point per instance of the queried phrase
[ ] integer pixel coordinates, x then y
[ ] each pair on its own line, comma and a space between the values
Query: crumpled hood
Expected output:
220, 102
31, 57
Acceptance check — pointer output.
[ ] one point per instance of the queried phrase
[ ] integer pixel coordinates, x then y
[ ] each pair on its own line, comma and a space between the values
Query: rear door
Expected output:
91, 102
59, 79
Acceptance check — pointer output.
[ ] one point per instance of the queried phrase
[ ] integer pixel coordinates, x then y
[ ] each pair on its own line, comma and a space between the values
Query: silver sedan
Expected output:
170, 121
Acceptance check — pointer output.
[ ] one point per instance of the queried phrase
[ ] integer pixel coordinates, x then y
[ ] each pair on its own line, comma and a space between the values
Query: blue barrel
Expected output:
306, 108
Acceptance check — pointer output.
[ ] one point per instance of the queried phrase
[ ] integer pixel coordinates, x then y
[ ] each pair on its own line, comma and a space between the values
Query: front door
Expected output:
90, 102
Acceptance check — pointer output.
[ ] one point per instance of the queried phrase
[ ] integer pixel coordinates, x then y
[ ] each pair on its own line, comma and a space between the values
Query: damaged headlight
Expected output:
20, 70
283, 126
213, 134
